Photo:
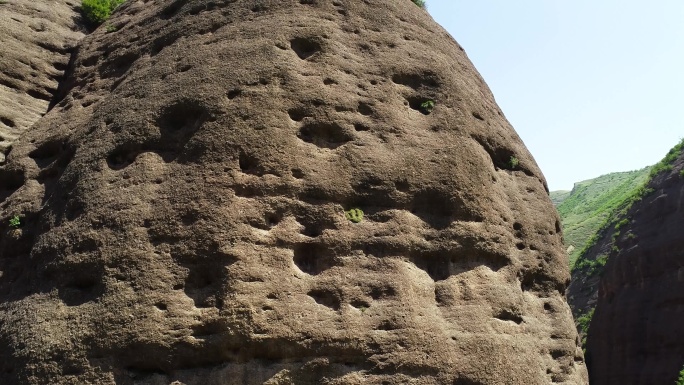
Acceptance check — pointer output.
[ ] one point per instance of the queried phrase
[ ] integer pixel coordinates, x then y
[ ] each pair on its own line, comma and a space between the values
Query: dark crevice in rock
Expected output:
326, 297
305, 47
324, 134
7, 122
313, 258
507, 315
417, 81
10, 181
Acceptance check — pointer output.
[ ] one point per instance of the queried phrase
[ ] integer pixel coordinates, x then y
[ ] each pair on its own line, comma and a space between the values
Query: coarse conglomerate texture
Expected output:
36, 42
183, 210
635, 337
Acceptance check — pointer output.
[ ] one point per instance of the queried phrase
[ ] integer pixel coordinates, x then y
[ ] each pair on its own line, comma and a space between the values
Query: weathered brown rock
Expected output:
183, 210
636, 335
36, 42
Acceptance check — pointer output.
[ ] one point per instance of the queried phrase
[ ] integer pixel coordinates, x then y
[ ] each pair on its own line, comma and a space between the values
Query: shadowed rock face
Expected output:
36, 41
636, 335
183, 210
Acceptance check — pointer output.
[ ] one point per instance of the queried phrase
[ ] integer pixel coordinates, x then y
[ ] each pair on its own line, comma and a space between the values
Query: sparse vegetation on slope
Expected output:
591, 202
97, 12
420, 3
557, 197
616, 225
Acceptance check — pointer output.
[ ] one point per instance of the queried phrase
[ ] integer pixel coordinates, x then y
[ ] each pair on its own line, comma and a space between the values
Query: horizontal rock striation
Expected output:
184, 209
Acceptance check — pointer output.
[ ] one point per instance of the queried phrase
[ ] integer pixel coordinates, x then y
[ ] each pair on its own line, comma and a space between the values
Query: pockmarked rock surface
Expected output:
183, 210
36, 42
635, 337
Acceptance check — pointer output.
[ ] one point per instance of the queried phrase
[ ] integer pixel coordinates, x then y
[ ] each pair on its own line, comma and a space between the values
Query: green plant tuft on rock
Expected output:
427, 106
420, 3
513, 163
15, 221
97, 12
680, 380
354, 215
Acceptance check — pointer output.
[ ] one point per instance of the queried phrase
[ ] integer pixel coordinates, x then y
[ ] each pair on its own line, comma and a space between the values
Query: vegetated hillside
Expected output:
557, 197
586, 273
635, 268
591, 202
179, 216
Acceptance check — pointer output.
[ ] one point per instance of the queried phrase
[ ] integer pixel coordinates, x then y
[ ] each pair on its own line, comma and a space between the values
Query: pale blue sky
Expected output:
592, 87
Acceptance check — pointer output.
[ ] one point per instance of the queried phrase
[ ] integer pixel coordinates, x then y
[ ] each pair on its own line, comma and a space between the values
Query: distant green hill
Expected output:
584, 209
557, 197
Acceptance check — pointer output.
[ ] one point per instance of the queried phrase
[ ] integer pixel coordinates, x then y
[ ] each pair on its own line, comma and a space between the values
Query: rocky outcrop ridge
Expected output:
183, 209
635, 335
36, 42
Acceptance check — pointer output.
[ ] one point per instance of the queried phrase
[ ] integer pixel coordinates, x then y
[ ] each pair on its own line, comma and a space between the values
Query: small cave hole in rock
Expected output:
325, 297
507, 315
365, 109
380, 292
7, 122
387, 325
10, 181
517, 226
304, 47
207, 329
417, 80
361, 127
232, 94
181, 119
520, 246
297, 114
324, 134
123, 156
312, 258
272, 219
328, 81
359, 304
477, 115
418, 103
161, 306
297, 173
248, 164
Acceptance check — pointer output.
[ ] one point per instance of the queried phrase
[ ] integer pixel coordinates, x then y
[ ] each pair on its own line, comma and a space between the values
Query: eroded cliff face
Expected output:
183, 210
36, 42
636, 336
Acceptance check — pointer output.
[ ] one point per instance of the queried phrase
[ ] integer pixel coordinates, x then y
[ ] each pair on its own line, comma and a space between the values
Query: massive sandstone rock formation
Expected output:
183, 209
36, 42
635, 337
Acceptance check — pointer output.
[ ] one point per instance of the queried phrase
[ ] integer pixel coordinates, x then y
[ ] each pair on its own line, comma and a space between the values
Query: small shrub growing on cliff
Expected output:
354, 215
420, 3
427, 106
680, 380
681, 173
97, 12
513, 163
15, 221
